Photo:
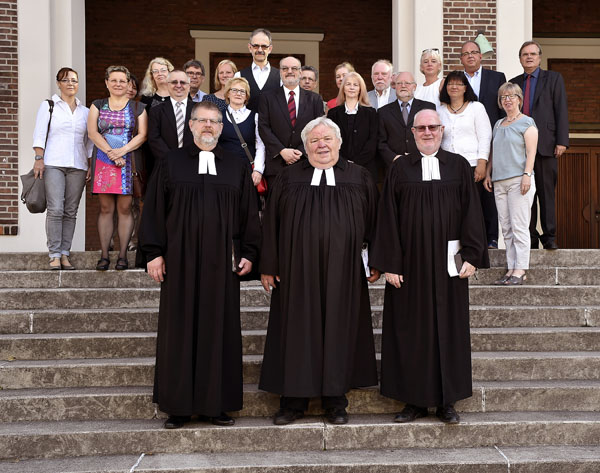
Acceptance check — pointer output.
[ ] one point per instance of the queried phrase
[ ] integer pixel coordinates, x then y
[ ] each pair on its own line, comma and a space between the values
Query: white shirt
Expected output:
467, 133
383, 98
241, 115
183, 107
354, 111
198, 97
68, 144
409, 105
475, 81
296, 97
260, 75
429, 93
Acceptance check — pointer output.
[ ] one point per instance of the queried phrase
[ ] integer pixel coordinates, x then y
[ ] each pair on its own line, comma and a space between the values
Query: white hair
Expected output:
320, 121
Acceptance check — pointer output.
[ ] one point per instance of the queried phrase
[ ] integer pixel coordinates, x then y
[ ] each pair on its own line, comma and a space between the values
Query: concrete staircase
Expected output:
77, 358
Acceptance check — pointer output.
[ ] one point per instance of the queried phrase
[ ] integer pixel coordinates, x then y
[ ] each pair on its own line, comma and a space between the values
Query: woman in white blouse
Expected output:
431, 66
61, 161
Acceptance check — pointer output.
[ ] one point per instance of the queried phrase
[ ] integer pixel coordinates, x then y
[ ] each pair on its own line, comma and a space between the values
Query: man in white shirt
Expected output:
196, 72
381, 75
260, 75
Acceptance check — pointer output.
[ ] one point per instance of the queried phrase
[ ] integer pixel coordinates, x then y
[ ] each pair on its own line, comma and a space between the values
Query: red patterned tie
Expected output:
292, 108
526, 97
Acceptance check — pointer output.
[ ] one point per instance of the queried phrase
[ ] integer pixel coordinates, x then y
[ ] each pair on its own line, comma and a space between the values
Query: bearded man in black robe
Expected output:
200, 233
429, 210
319, 342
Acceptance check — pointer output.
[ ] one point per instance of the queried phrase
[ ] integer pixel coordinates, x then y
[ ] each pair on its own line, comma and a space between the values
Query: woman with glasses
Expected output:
225, 70
341, 71
431, 66
154, 86
510, 169
358, 123
237, 95
62, 150
112, 126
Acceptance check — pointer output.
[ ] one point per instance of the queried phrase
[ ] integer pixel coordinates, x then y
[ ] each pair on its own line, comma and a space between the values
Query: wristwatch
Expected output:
38, 157
528, 174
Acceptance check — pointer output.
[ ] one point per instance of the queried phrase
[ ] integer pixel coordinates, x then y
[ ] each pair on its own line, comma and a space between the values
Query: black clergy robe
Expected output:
426, 350
320, 337
193, 220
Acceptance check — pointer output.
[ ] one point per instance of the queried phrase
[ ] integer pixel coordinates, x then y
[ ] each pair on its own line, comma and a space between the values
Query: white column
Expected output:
514, 27
50, 35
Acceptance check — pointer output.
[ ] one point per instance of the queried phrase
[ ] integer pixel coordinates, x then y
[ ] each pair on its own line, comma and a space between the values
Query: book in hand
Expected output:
236, 259
455, 260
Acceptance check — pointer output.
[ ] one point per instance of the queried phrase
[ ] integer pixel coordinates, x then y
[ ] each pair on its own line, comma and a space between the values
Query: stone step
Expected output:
364, 432
94, 372
86, 260
135, 402
255, 296
570, 276
143, 344
538, 459
41, 321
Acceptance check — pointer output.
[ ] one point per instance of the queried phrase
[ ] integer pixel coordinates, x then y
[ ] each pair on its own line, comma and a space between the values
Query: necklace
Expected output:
458, 109
510, 120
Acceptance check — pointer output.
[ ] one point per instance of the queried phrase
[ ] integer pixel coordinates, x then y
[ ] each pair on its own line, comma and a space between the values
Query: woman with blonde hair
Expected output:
358, 123
154, 86
224, 71
341, 70
431, 66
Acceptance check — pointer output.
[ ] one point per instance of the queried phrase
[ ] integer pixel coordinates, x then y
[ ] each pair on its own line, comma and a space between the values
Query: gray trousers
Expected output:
64, 186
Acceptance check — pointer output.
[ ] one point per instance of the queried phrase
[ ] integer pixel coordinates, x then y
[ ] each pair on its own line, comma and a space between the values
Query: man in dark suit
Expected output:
396, 119
545, 100
260, 75
164, 134
282, 115
485, 83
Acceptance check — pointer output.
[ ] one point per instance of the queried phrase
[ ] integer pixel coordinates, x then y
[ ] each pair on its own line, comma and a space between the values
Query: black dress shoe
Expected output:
551, 245
285, 416
535, 244
336, 416
176, 422
447, 414
223, 420
410, 413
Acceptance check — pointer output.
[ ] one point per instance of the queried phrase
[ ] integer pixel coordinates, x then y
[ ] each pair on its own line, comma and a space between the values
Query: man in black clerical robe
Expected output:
428, 200
319, 342
200, 207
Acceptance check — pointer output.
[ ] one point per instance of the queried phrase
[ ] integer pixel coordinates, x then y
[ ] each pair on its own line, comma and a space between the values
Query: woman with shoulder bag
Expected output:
111, 125
62, 150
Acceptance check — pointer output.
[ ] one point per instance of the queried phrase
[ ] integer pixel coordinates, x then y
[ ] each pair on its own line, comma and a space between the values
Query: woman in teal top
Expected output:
510, 169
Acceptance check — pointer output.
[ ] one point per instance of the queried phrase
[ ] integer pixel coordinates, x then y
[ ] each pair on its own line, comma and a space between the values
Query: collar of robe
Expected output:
430, 168
206, 163
329, 177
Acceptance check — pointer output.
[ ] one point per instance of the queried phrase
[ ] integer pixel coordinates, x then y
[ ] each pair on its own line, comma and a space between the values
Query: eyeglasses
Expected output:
160, 71
431, 128
69, 81
404, 83
293, 68
429, 50
238, 91
309, 79
256, 47
194, 74
174, 83
470, 53
205, 121
511, 97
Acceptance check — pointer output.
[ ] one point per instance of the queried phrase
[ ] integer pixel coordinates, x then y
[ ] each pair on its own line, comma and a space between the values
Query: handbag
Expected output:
138, 174
33, 194
261, 188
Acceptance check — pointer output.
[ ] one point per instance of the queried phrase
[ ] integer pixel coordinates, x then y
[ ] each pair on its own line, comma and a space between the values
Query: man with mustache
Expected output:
282, 115
201, 232
260, 75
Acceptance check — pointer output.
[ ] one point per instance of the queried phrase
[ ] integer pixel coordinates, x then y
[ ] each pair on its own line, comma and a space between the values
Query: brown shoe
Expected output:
54, 264
65, 263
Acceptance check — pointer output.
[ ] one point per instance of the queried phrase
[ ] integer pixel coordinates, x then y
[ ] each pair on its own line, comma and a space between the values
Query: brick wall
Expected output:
566, 18
9, 161
134, 35
462, 20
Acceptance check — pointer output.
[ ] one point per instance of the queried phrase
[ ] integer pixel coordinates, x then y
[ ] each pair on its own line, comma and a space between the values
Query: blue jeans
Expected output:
64, 186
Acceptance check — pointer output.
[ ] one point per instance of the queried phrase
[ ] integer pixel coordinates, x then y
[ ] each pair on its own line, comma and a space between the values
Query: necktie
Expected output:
430, 168
526, 110
206, 163
318, 173
292, 108
179, 120
405, 112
